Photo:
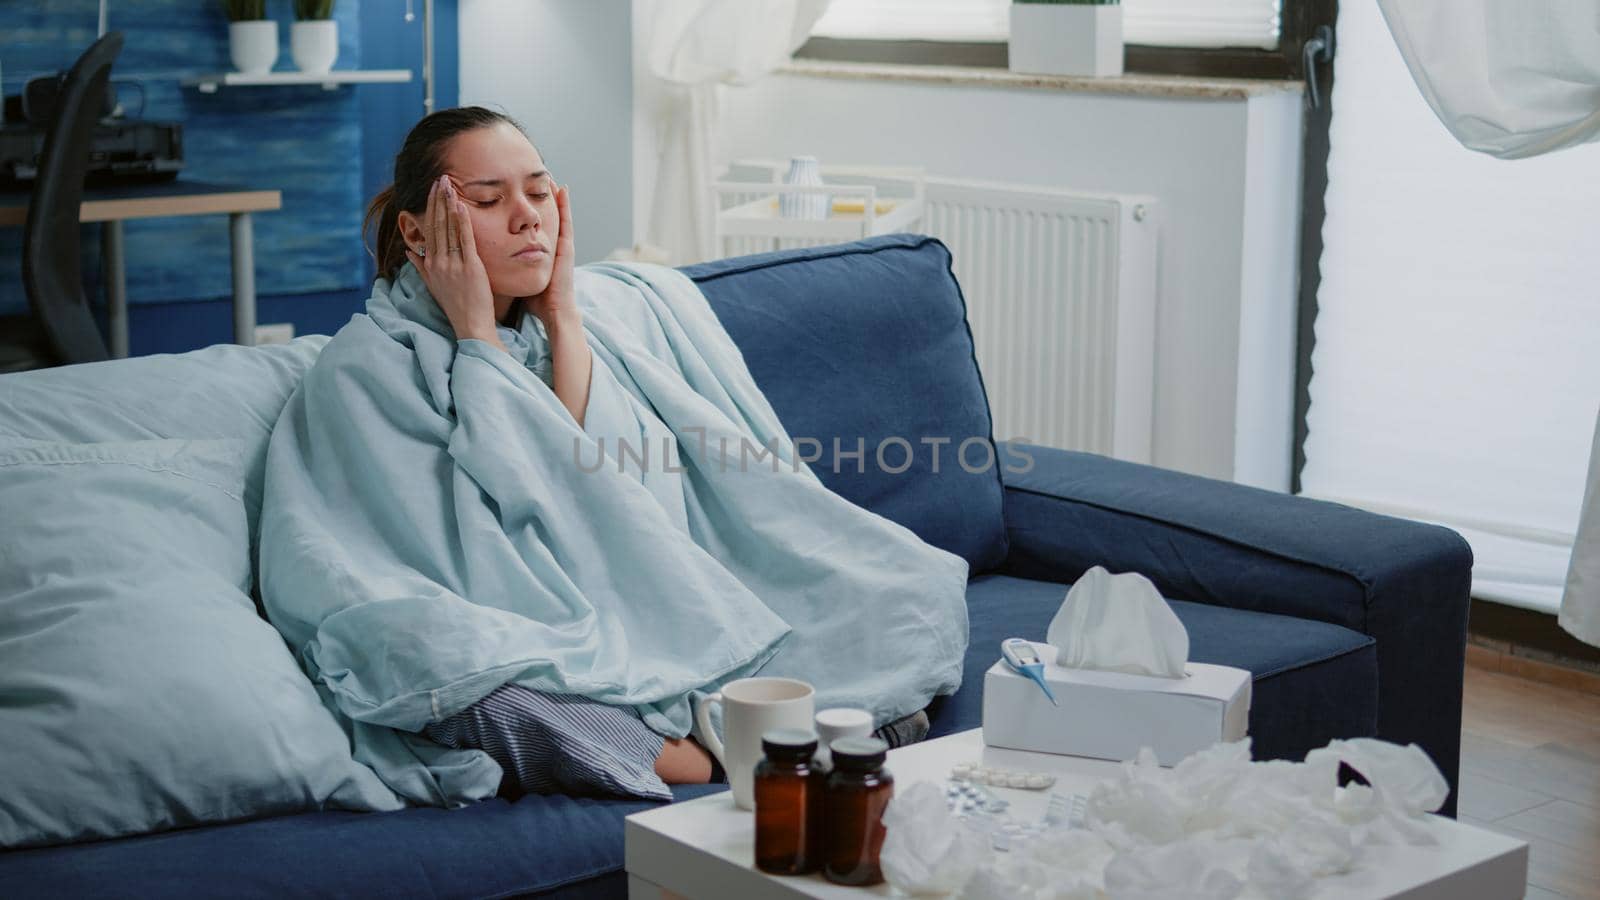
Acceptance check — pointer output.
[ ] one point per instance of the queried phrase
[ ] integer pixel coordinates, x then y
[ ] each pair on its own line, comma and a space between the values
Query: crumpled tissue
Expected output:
1274, 825
1194, 868
1402, 784
926, 850
1060, 865
1118, 623
1217, 826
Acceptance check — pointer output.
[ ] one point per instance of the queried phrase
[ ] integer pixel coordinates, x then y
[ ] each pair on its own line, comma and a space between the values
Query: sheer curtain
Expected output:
1175, 23
1513, 81
1455, 373
689, 48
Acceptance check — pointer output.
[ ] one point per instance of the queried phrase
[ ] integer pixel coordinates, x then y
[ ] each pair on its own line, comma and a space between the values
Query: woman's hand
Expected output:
683, 761
451, 267
558, 304
571, 363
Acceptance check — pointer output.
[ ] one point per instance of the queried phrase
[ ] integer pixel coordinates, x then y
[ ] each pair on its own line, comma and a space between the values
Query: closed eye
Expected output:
538, 195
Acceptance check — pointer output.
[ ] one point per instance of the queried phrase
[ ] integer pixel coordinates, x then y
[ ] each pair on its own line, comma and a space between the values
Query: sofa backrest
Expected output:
866, 343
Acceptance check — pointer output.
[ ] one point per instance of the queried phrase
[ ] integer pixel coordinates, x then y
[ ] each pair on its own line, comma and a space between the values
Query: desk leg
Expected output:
244, 279
116, 288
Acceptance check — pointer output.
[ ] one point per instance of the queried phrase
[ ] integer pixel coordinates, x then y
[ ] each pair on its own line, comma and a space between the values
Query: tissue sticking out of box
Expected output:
1119, 623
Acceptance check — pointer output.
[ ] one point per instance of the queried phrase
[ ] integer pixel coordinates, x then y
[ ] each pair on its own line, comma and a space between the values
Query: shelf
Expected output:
209, 83
895, 194
759, 218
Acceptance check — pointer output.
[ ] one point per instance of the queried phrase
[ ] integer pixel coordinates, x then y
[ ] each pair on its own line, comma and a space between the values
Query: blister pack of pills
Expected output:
969, 797
976, 774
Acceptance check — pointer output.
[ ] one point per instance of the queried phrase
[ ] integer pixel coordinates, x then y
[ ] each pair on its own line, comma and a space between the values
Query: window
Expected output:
1237, 38
979, 21
1455, 370
1156, 23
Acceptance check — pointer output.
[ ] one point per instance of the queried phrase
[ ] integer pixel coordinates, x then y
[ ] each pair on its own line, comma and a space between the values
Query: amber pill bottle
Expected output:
788, 793
859, 788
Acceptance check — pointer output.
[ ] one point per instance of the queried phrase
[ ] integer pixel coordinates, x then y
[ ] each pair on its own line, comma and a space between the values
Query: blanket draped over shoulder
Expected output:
436, 523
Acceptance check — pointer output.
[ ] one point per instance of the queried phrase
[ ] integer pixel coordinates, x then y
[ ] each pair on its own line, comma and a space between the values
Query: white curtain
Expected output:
1580, 605
1455, 378
1516, 80
1508, 79
1173, 23
690, 48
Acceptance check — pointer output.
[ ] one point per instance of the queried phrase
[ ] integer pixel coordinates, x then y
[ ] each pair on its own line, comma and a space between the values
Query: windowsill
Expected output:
1130, 84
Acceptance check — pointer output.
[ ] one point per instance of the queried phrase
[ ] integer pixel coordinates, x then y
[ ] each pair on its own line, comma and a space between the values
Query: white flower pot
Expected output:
1066, 39
253, 45
314, 44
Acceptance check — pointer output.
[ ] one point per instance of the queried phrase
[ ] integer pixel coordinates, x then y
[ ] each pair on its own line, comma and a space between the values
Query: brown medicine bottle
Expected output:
788, 794
859, 788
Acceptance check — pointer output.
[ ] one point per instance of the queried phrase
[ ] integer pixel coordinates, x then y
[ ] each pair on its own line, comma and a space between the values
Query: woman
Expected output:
476, 212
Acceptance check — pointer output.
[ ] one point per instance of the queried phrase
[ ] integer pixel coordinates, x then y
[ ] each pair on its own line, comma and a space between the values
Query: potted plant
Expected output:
314, 36
1066, 37
252, 37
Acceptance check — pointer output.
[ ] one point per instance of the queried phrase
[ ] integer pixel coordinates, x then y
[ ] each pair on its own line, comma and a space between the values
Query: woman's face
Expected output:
511, 201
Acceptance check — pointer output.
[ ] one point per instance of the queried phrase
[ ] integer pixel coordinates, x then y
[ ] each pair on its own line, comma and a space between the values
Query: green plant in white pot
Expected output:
314, 36
252, 37
1066, 37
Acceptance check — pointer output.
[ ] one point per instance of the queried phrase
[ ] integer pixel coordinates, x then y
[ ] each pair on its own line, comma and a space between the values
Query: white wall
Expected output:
564, 70
1226, 172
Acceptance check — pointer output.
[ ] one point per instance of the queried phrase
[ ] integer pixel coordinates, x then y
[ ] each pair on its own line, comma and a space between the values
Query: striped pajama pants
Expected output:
559, 743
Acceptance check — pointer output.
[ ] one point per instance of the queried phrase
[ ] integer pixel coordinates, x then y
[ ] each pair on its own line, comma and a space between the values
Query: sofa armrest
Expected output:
1405, 583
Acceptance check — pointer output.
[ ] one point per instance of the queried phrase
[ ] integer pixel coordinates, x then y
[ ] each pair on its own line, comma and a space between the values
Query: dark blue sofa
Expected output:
1352, 624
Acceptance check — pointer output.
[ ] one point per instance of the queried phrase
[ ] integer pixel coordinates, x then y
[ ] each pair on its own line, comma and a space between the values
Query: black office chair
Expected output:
61, 329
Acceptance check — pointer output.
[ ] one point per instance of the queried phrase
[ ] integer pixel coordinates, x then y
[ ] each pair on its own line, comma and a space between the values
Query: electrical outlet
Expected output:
276, 333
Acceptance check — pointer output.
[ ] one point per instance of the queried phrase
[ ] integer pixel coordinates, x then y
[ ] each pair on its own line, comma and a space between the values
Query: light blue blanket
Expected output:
436, 523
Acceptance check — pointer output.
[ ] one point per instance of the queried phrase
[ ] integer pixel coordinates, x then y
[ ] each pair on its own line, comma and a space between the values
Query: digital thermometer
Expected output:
1021, 657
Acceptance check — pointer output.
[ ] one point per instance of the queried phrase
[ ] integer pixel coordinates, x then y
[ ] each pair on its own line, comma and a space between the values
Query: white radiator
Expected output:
1061, 297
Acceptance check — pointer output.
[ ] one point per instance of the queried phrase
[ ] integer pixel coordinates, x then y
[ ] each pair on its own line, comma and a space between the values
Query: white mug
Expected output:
838, 722
750, 707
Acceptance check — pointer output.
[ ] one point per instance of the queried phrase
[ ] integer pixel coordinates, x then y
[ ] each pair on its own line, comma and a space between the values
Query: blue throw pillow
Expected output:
139, 688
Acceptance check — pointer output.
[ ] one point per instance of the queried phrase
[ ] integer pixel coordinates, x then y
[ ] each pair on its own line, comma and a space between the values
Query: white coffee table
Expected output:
705, 848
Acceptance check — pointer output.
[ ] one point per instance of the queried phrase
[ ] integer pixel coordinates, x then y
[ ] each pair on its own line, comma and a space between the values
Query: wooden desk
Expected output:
111, 206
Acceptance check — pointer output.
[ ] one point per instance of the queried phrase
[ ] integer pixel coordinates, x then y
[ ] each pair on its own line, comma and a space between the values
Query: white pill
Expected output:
1038, 782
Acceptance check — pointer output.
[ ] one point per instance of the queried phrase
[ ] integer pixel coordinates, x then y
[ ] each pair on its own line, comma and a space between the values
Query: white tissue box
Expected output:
1110, 715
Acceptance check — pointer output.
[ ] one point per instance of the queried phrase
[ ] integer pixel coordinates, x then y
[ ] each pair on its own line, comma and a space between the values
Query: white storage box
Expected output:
1110, 715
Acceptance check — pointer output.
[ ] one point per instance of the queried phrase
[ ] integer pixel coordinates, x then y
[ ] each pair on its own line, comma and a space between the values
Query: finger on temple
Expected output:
452, 225
436, 230
469, 245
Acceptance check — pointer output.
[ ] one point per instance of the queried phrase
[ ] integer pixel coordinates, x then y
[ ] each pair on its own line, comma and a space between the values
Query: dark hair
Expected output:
418, 164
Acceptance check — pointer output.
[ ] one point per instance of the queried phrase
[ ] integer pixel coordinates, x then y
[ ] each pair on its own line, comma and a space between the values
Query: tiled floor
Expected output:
1530, 767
